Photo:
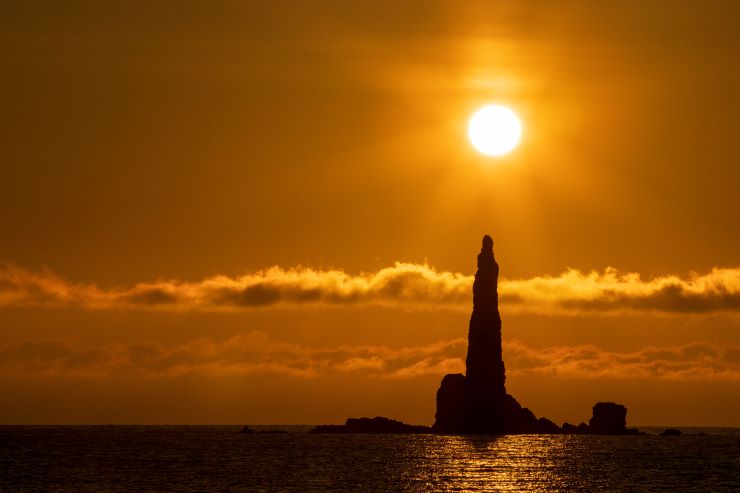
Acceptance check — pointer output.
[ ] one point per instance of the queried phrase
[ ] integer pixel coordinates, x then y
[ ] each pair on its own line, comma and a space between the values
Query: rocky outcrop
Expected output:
247, 430
570, 429
477, 402
377, 425
450, 416
608, 418
670, 432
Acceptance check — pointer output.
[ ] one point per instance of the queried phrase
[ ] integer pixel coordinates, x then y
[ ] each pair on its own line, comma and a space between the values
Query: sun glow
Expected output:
494, 130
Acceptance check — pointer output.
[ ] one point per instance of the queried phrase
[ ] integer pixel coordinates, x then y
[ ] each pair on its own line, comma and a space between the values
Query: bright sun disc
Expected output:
494, 130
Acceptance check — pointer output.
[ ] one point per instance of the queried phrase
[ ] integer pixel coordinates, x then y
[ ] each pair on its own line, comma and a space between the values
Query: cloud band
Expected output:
254, 353
403, 285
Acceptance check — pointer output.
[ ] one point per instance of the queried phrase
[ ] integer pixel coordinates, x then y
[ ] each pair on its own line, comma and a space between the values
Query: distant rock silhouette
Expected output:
247, 430
544, 425
670, 432
377, 425
570, 429
608, 419
477, 402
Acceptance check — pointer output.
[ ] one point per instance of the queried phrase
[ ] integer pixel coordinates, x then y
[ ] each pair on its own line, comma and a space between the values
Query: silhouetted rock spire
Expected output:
477, 402
484, 364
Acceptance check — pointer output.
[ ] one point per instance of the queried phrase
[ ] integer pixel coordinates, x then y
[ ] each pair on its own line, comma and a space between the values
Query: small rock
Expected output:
608, 418
670, 432
583, 429
569, 428
377, 425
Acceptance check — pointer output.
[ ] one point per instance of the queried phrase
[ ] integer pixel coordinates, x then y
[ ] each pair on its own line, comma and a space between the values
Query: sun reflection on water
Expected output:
500, 463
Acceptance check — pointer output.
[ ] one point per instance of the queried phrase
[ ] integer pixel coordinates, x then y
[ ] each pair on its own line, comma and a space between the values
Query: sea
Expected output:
220, 459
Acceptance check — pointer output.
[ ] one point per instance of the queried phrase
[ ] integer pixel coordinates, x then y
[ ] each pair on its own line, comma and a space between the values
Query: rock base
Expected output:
376, 425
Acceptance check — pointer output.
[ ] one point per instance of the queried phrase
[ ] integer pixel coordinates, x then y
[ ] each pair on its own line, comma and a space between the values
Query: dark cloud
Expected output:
151, 297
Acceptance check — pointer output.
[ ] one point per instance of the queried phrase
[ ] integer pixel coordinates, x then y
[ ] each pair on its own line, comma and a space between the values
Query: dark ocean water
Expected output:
217, 458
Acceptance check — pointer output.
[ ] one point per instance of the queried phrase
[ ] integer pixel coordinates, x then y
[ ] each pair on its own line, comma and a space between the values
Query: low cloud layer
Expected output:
695, 361
251, 353
404, 285
256, 354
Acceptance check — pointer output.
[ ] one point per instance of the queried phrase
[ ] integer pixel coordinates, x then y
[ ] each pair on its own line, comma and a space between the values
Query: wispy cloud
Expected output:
250, 353
698, 360
254, 353
406, 285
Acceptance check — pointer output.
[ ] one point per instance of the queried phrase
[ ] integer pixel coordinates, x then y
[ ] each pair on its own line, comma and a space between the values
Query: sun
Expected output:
494, 130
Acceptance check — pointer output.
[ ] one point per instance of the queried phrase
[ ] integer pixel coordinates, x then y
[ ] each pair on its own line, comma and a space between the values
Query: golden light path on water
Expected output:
506, 463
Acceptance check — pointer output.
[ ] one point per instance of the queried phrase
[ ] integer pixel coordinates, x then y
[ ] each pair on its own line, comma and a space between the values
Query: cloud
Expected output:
695, 361
250, 353
573, 291
254, 353
403, 285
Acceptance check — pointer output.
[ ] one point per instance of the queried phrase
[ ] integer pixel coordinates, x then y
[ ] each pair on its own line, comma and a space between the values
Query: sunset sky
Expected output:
269, 212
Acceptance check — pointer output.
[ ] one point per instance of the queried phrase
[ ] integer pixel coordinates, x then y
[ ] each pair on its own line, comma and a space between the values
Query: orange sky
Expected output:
159, 160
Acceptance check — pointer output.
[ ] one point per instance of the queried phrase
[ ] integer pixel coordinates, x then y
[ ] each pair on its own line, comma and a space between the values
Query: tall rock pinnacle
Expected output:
477, 402
484, 364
